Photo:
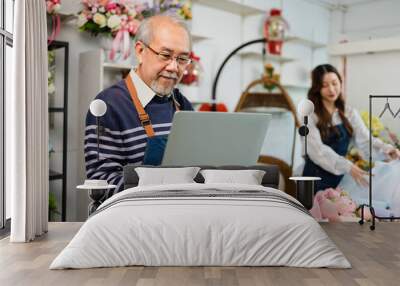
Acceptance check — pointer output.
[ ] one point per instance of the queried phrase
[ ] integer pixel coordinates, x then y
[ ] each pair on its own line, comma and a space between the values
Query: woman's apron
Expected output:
155, 146
340, 144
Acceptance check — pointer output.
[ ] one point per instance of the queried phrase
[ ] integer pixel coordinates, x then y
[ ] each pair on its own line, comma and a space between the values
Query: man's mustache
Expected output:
169, 75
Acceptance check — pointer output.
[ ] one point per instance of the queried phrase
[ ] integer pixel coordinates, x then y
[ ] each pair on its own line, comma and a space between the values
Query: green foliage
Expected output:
53, 203
95, 29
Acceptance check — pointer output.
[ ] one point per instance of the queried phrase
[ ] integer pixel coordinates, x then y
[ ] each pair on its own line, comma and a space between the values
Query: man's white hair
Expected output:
144, 33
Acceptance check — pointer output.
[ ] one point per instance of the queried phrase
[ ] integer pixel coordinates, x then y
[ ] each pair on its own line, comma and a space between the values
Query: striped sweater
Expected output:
122, 137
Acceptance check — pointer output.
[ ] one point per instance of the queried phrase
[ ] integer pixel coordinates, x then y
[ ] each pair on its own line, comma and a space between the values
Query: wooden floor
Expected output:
374, 255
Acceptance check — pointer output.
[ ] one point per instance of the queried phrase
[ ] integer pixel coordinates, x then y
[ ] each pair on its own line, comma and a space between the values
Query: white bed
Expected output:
185, 230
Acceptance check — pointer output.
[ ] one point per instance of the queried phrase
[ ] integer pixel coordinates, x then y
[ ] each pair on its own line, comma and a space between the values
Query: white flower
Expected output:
100, 20
56, 8
51, 88
101, 9
113, 21
81, 20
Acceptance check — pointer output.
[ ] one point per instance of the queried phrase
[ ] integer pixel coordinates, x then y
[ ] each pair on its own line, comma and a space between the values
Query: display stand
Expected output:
369, 205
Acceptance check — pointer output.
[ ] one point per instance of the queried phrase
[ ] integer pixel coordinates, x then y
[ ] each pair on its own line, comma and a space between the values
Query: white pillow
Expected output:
248, 177
165, 176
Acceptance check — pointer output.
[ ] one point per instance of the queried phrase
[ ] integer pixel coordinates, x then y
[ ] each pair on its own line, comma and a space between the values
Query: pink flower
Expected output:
133, 26
49, 7
111, 6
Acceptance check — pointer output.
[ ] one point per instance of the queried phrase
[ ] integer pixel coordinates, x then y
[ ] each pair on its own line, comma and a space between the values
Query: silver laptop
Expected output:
215, 138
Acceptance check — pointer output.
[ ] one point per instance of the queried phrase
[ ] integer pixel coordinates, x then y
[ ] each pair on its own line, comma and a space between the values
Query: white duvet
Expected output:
200, 231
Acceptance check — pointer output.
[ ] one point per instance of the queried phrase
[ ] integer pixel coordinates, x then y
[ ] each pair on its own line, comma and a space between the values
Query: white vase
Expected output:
106, 43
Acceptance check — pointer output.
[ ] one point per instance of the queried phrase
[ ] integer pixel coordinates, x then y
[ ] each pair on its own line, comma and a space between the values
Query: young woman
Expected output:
333, 126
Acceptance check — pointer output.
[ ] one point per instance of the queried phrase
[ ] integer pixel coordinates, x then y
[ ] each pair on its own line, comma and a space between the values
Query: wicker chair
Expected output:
262, 102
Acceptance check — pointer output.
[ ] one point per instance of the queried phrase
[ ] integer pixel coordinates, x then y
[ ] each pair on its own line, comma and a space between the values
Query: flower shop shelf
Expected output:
198, 37
296, 85
233, 6
254, 53
117, 66
306, 42
67, 17
56, 109
60, 138
53, 175
366, 46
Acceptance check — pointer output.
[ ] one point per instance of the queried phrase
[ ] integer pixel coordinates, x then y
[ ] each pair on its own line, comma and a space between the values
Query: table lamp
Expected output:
97, 188
305, 185
305, 108
98, 108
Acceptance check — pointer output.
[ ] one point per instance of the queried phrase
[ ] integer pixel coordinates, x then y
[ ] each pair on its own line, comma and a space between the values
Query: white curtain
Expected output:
27, 124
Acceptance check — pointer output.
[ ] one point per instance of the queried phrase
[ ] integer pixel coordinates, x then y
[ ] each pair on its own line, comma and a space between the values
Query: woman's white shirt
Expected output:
326, 157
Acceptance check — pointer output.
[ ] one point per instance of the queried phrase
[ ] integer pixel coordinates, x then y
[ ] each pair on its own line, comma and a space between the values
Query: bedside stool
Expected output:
97, 191
305, 190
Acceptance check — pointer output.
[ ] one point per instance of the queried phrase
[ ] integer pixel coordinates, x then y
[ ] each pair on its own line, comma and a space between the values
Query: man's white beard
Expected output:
160, 90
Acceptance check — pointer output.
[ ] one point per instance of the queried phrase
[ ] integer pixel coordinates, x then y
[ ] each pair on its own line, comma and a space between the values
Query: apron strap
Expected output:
143, 116
176, 103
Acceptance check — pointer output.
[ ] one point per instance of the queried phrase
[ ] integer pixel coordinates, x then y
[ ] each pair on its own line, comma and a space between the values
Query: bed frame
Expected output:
270, 179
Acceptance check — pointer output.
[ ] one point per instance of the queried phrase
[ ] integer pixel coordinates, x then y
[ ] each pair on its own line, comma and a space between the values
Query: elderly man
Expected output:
140, 107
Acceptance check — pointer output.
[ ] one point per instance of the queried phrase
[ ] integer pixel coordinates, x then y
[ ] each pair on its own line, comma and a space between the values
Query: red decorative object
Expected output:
274, 31
193, 71
220, 107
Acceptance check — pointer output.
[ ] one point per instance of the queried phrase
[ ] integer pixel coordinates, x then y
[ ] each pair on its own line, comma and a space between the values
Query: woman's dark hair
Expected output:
324, 123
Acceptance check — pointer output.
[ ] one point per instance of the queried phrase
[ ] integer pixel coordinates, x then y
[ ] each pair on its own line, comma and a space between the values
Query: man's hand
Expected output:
359, 175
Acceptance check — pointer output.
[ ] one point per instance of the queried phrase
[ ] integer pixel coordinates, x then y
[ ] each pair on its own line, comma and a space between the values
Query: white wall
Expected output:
372, 73
224, 31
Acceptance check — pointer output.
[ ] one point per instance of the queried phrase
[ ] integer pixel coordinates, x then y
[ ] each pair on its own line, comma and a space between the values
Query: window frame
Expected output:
6, 39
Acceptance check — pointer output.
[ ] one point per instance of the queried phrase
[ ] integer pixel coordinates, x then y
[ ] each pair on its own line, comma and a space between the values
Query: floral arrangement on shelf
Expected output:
51, 57
53, 7
174, 7
270, 76
120, 19
193, 71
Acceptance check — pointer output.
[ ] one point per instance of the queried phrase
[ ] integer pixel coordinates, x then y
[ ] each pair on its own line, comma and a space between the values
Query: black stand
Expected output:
214, 86
369, 205
305, 193
305, 186
97, 196
305, 189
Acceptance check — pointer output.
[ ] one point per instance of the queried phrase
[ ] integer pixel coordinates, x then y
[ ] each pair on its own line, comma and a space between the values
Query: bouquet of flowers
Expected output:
270, 76
378, 130
354, 156
120, 19
174, 7
334, 205
381, 131
53, 7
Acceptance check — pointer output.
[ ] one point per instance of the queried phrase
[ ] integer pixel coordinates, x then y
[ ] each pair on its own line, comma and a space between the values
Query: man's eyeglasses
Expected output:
166, 57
